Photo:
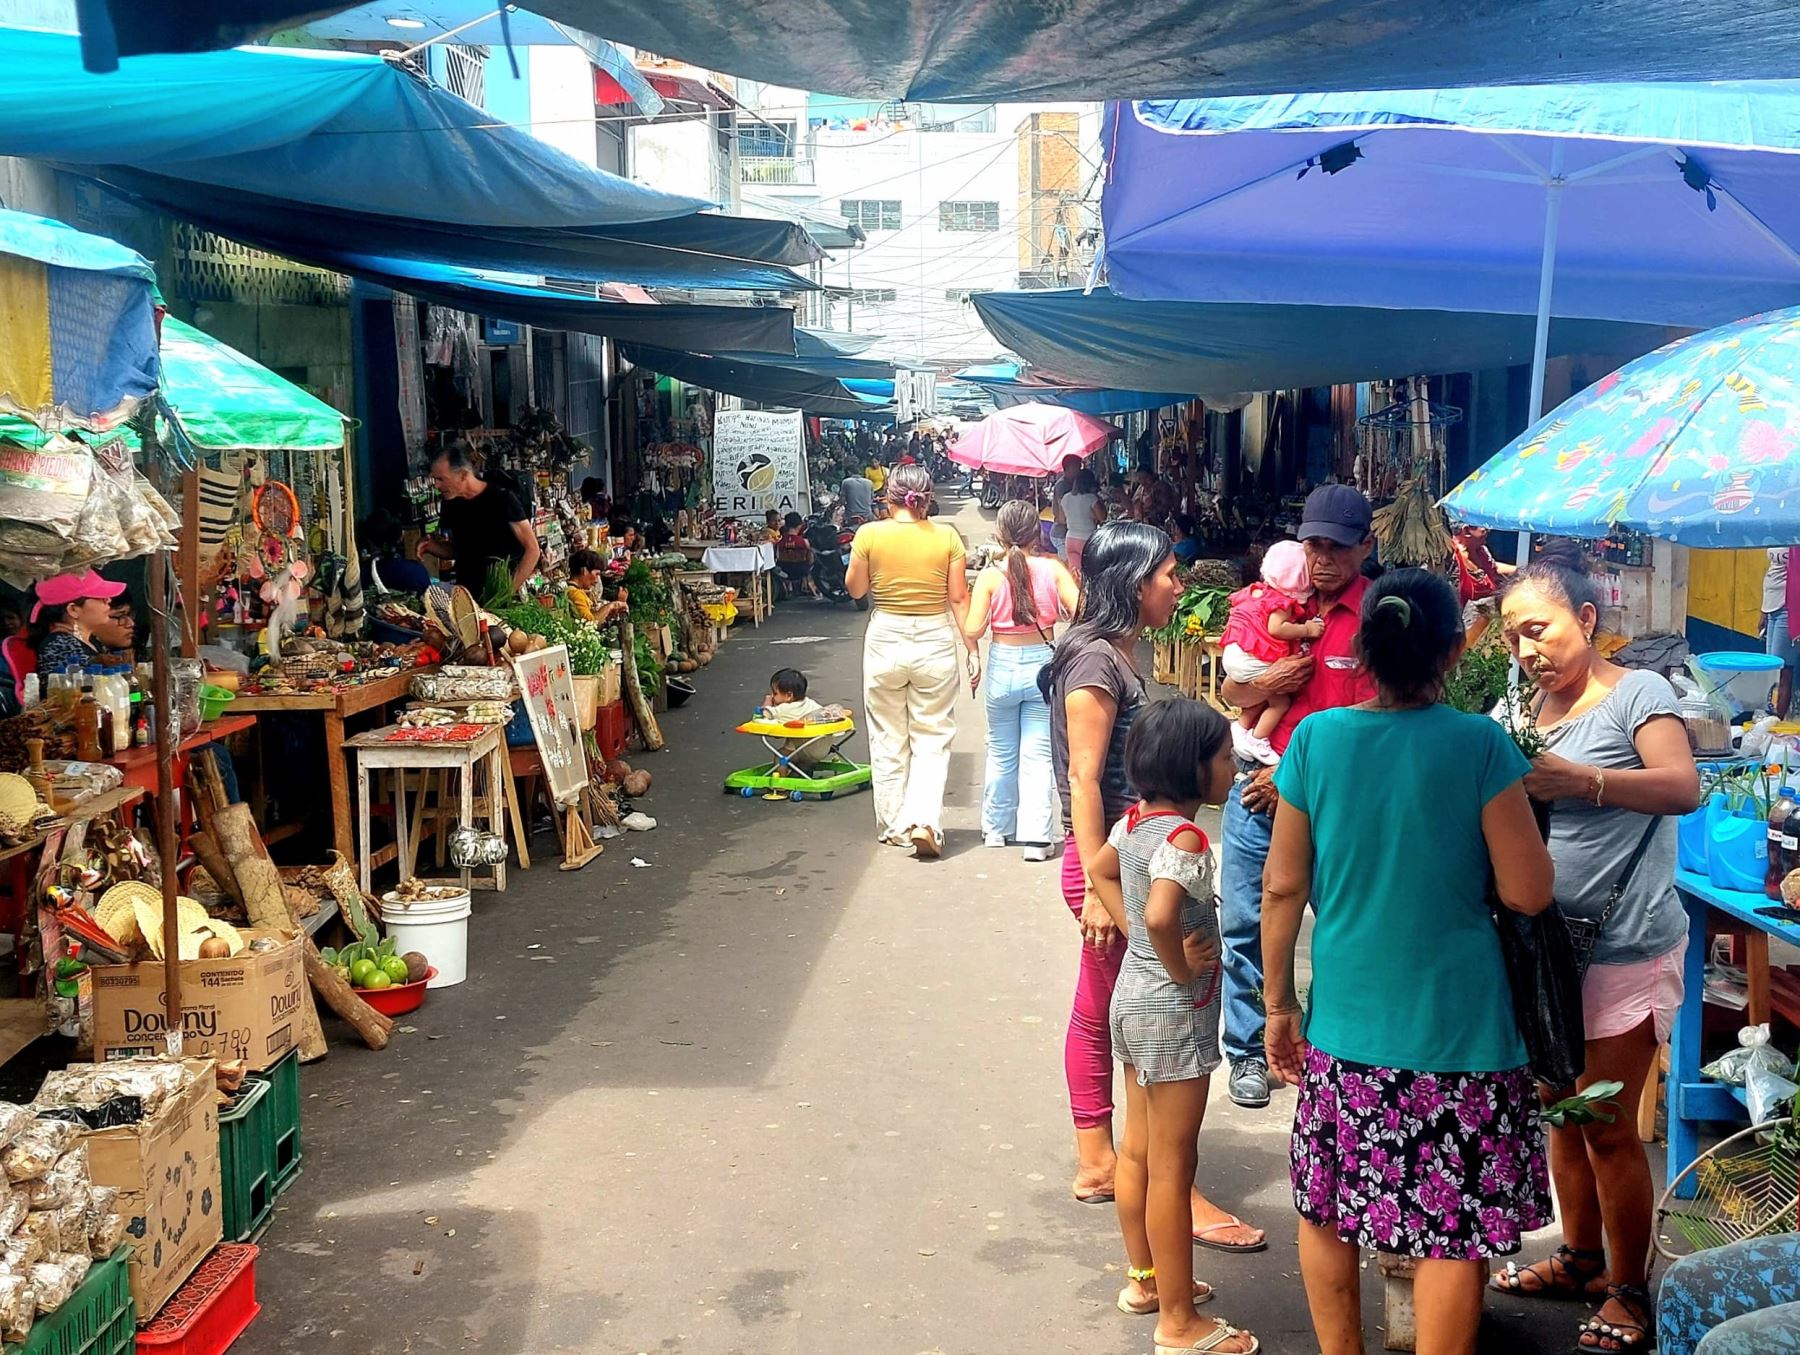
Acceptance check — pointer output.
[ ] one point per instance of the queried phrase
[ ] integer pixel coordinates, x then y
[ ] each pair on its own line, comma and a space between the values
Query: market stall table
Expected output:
756, 562
139, 764
377, 750
334, 706
17, 859
1692, 1100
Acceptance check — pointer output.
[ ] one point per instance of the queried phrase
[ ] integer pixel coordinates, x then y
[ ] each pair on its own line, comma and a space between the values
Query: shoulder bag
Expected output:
1547, 957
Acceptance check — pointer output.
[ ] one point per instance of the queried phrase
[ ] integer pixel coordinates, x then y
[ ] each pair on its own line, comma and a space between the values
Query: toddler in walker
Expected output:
1270, 620
787, 702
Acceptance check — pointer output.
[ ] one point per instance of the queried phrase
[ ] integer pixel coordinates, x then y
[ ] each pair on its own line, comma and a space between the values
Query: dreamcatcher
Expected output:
278, 559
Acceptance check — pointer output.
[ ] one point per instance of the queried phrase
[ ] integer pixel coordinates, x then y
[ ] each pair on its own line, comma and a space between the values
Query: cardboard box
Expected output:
612, 683
167, 1172
244, 1007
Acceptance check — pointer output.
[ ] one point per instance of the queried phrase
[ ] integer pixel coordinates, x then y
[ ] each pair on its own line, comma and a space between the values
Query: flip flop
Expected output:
1201, 1238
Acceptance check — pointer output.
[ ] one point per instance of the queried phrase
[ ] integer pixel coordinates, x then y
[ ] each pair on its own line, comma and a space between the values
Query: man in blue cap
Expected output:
1334, 529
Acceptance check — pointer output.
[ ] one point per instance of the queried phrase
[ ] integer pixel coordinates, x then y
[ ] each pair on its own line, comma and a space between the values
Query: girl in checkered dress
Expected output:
1155, 876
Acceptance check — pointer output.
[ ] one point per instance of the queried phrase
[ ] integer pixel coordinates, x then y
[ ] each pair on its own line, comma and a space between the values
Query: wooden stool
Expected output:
485, 753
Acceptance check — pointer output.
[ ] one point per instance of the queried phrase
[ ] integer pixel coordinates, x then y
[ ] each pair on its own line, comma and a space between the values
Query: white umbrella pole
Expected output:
1540, 347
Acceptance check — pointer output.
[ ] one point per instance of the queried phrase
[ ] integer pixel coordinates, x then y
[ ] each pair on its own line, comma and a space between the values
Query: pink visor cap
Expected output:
67, 588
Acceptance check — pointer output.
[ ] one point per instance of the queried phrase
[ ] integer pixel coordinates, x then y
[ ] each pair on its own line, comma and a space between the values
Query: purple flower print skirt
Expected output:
1442, 1165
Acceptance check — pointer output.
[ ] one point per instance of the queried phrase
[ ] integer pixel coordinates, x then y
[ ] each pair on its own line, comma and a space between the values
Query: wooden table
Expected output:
139, 766
376, 752
335, 706
1692, 1099
755, 563
20, 858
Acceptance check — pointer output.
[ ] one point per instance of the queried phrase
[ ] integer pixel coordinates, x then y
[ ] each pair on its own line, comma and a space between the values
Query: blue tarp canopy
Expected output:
749, 329
1008, 384
482, 23
764, 382
1674, 204
1217, 348
314, 154
974, 50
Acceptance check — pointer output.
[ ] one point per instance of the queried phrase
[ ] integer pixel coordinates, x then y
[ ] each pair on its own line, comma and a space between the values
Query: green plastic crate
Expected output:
98, 1319
284, 1116
246, 1162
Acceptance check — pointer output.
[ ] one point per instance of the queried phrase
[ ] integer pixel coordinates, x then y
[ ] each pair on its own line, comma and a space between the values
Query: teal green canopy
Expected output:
223, 399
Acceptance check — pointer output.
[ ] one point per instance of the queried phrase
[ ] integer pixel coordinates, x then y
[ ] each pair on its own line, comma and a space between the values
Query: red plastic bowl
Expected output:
401, 998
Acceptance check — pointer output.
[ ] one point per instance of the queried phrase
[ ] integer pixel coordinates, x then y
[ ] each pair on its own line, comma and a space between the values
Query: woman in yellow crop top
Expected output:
912, 568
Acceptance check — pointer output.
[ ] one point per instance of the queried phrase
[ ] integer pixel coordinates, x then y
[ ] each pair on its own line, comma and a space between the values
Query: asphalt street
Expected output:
752, 1083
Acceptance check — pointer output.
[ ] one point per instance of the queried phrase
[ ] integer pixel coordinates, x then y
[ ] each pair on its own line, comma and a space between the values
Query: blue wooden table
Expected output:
1692, 1098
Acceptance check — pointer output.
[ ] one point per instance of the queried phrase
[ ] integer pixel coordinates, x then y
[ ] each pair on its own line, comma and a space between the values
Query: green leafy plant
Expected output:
1516, 718
1200, 612
1593, 1106
1478, 681
499, 591
651, 601
587, 644
650, 672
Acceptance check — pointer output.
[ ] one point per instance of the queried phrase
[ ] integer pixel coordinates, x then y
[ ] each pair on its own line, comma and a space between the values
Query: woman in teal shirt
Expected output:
1417, 1127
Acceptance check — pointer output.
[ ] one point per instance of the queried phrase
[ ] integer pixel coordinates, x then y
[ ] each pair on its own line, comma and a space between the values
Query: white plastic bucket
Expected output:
438, 928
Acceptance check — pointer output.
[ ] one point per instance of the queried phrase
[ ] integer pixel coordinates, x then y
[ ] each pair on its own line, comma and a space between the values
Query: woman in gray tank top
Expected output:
1618, 761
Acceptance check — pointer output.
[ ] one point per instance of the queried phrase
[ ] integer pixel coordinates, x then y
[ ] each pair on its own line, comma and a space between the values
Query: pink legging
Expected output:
1087, 1050
1074, 545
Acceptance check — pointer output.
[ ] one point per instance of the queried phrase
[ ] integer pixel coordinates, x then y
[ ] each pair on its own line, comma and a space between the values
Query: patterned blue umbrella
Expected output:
1698, 442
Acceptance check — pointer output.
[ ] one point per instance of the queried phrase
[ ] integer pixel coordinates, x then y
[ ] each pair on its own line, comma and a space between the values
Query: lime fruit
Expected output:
362, 971
395, 968
379, 979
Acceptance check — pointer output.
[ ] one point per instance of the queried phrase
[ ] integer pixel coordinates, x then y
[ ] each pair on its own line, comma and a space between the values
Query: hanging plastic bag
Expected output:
1754, 1052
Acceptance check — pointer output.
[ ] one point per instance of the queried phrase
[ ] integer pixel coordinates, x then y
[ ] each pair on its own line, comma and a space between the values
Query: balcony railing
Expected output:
775, 171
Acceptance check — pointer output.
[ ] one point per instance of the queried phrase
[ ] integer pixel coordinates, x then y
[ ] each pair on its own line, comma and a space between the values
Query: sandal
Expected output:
1220, 1334
1202, 1236
1625, 1335
1571, 1271
1203, 1292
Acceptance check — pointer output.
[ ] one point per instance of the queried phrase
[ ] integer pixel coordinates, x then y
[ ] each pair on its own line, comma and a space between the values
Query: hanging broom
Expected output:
1412, 530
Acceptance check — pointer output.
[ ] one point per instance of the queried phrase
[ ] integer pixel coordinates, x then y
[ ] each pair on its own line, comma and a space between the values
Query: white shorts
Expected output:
1243, 667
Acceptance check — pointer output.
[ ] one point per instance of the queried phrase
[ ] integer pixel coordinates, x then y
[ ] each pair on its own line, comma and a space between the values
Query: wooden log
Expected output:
258, 880
335, 989
634, 690
206, 850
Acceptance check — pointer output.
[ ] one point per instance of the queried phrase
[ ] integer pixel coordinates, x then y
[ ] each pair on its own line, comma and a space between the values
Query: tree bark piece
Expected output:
206, 849
265, 903
634, 690
335, 989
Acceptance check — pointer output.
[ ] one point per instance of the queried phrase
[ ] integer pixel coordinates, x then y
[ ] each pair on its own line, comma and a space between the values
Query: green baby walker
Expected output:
833, 775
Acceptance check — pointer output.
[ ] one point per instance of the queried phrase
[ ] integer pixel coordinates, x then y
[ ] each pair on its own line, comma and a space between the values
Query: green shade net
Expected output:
224, 400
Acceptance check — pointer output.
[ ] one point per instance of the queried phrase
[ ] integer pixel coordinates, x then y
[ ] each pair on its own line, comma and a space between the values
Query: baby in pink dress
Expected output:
1269, 621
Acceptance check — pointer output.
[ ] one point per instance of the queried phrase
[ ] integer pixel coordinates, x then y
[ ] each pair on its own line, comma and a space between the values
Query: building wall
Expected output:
910, 281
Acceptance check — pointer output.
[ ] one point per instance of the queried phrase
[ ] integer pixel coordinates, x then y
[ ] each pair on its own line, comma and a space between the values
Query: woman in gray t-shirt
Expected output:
1618, 759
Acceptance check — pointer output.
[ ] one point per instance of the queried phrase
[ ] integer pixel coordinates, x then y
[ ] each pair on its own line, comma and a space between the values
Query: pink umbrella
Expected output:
1031, 440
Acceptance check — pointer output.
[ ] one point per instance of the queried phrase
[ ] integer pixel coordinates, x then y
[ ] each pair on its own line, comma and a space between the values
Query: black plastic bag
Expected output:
1545, 977
109, 1114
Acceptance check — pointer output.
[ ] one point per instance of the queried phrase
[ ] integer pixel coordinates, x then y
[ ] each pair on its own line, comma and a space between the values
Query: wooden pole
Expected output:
165, 796
187, 557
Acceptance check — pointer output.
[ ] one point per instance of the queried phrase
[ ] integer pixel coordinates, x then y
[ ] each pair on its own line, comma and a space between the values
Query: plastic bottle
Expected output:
1784, 843
87, 729
32, 694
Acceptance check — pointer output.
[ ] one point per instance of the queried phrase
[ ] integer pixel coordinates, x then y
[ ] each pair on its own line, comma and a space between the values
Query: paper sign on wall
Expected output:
548, 690
759, 462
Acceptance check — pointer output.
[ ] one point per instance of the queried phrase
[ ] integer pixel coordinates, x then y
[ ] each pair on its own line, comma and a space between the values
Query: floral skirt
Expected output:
1440, 1165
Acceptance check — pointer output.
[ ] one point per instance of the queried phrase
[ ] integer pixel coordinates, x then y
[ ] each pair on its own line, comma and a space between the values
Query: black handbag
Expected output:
1547, 957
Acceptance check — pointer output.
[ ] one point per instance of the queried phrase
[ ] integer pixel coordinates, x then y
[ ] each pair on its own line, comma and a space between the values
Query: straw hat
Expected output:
116, 912
18, 801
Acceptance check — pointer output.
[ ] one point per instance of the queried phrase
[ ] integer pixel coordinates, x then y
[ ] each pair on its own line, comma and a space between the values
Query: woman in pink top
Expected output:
1018, 600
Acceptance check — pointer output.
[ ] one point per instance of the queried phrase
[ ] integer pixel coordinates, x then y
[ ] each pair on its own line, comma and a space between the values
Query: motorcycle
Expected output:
831, 556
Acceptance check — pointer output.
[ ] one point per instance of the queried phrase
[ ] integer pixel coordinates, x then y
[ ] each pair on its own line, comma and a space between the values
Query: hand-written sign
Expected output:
546, 688
759, 462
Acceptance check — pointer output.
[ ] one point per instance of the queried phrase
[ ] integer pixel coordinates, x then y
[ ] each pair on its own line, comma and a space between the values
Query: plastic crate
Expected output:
247, 1161
284, 1117
210, 1310
98, 1319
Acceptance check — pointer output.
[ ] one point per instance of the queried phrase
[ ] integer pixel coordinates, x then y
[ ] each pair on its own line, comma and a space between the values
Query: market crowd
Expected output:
1348, 787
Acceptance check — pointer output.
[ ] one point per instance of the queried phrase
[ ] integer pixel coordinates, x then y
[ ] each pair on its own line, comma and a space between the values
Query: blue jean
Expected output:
1244, 851
1018, 798
1739, 1299
1778, 638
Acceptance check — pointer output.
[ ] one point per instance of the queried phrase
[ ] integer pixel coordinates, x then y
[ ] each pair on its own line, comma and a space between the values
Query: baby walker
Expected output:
783, 778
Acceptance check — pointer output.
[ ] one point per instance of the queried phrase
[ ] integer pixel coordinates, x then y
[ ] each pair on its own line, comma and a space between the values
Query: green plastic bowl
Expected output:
213, 701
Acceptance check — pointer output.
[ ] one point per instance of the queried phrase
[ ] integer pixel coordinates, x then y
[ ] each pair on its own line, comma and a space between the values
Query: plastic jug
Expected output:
1692, 832
1737, 855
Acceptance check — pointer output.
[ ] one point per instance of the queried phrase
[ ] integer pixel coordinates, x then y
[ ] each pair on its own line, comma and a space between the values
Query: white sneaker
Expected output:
1261, 750
1241, 741
1038, 851
993, 839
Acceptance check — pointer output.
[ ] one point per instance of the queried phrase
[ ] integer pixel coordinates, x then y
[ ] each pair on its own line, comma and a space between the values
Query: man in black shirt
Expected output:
484, 523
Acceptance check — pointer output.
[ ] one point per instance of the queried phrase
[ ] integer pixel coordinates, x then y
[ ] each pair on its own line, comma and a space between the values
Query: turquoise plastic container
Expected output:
1737, 853
1692, 832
